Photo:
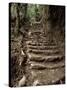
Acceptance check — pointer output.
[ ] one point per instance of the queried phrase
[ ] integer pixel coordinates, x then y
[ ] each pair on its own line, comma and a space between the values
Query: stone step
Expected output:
37, 34
42, 47
46, 65
37, 31
44, 52
40, 44
40, 58
35, 43
38, 40
47, 76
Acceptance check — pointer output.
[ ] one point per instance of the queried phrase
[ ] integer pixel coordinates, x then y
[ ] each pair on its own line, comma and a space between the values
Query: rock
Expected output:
22, 81
36, 82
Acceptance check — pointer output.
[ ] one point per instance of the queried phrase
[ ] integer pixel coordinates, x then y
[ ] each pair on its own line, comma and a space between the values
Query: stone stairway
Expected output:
45, 60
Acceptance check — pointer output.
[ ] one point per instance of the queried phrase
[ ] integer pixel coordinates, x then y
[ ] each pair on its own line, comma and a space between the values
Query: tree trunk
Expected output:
45, 19
25, 13
17, 19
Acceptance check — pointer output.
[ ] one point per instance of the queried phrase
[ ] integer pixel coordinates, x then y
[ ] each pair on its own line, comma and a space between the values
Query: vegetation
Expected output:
25, 19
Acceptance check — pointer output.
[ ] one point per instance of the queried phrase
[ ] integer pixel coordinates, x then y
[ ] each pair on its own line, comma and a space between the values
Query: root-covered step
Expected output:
45, 52
46, 65
42, 47
35, 57
40, 44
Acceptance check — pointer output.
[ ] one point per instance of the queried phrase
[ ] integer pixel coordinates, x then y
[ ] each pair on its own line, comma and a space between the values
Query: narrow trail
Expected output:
45, 62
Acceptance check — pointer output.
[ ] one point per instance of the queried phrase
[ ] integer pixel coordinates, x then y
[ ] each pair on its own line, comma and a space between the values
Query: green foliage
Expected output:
37, 12
31, 11
34, 12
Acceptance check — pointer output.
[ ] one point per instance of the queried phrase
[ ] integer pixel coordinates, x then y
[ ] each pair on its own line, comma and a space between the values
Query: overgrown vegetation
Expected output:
23, 17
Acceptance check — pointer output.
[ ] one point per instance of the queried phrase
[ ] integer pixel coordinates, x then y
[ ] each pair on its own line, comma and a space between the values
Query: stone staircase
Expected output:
45, 59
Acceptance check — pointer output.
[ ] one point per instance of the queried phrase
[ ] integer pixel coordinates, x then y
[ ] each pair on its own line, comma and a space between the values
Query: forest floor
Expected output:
39, 59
